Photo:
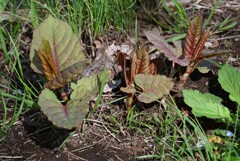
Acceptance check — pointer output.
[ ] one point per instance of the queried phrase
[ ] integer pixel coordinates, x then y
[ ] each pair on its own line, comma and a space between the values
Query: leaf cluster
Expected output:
56, 53
142, 79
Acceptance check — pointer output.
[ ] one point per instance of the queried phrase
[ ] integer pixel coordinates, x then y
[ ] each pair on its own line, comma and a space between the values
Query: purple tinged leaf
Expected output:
170, 52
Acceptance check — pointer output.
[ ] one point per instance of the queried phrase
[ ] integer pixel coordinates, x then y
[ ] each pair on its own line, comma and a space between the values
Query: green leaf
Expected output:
72, 114
207, 105
65, 46
65, 116
229, 78
153, 86
91, 84
3, 4
203, 70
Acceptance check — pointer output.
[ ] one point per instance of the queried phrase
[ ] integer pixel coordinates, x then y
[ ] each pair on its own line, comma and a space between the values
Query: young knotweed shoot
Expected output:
192, 51
142, 75
56, 52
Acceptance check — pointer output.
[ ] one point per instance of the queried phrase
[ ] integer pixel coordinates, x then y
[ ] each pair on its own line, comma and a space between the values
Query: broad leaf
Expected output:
229, 78
193, 36
207, 105
45, 56
72, 114
168, 50
67, 75
153, 87
91, 84
65, 46
65, 116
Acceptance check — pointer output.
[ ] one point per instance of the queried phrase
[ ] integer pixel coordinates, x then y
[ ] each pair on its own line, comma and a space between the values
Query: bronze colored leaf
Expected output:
143, 61
48, 64
67, 75
193, 36
200, 44
134, 67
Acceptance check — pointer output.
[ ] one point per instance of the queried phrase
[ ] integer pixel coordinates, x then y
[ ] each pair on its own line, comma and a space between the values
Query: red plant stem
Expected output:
189, 70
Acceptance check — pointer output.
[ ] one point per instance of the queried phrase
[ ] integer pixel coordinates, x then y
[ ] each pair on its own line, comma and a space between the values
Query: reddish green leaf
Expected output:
67, 75
193, 36
45, 56
65, 47
153, 87
65, 116
71, 115
169, 51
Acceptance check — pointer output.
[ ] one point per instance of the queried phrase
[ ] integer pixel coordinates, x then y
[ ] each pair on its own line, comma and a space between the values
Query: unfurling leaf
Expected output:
48, 64
143, 61
153, 87
67, 75
168, 50
207, 105
200, 45
65, 47
229, 78
193, 36
71, 114
134, 67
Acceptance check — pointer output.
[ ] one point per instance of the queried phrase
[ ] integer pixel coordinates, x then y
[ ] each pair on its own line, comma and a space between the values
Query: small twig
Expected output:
14, 151
224, 38
11, 157
77, 157
89, 146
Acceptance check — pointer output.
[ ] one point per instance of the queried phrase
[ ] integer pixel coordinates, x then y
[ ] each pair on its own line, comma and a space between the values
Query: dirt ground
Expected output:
31, 137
